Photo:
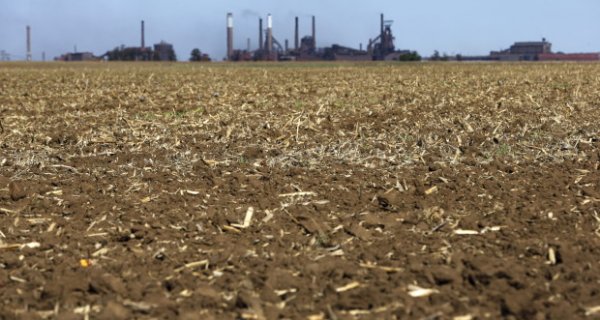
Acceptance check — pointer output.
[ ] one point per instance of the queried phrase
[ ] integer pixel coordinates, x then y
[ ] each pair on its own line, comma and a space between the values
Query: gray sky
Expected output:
460, 26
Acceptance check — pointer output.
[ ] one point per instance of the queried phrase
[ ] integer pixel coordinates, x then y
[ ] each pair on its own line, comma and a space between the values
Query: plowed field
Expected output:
376, 191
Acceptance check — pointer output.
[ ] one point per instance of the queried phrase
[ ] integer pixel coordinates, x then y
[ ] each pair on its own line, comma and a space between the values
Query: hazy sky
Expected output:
459, 26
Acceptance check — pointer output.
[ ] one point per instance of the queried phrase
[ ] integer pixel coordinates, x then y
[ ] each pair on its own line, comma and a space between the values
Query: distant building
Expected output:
164, 51
77, 56
240, 55
523, 51
341, 53
531, 48
4, 56
537, 51
569, 57
307, 45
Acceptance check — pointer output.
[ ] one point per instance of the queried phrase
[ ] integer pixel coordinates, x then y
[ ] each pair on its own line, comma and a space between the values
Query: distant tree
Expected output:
198, 56
114, 54
412, 56
437, 57
128, 54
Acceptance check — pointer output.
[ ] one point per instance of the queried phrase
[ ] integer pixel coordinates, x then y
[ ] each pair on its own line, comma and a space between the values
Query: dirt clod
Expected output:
17, 190
115, 310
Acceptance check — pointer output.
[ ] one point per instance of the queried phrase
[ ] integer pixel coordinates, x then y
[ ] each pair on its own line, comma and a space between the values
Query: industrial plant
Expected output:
270, 48
161, 51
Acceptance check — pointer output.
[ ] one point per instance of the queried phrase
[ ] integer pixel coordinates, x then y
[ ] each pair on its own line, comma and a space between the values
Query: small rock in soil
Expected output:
16, 190
116, 311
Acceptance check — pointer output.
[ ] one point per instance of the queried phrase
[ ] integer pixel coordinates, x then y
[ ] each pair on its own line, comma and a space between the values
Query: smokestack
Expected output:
287, 45
261, 42
28, 43
269, 33
360, 46
314, 32
382, 27
143, 35
297, 36
229, 36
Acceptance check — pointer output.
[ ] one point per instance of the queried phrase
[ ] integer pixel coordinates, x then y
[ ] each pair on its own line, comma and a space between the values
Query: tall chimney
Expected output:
143, 35
229, 36
382, 27
28, 43
269, 33
297, 36
314, 32
261, 42
287, 45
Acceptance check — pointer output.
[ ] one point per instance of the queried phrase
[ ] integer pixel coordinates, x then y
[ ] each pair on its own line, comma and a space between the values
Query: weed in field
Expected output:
503, 150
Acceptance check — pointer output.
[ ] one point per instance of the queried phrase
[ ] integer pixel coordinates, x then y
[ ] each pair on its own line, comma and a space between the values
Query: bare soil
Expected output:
376, 191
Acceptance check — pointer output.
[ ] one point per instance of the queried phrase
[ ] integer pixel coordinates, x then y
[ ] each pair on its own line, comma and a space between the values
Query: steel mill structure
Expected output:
380, 47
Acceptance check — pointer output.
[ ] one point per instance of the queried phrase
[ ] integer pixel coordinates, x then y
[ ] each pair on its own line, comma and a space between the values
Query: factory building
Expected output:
341, 53
536, 51
531, 48
523, 51
77, 56
569, 57
164, 51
